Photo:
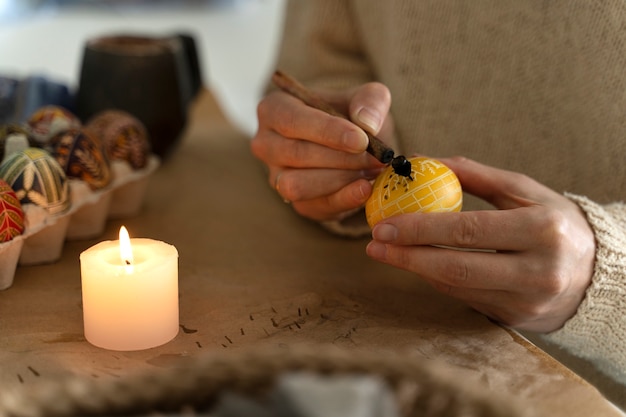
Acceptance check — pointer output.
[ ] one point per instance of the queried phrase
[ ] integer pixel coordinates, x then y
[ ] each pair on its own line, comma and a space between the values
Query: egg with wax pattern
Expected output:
124, 136
430, 187
37, 178
81, 154
11, 213
47, 121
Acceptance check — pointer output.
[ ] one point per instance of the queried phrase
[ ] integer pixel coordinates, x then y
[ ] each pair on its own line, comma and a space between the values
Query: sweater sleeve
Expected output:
597, 331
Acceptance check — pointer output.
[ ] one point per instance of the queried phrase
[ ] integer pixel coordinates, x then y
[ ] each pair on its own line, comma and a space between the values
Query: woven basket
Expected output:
419, 388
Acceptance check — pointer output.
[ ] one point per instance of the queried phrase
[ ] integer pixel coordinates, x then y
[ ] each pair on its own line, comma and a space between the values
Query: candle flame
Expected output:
126, 251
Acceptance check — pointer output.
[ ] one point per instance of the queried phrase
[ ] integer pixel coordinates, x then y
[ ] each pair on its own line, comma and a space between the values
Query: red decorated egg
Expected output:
124, 136
11, 213
51, 120
82, 156
37, 178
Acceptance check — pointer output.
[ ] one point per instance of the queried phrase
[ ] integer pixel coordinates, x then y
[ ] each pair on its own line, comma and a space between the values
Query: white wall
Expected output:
236, 41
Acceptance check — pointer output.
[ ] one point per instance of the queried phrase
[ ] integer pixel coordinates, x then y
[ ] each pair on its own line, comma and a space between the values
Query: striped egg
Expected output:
124, 136
82, 156
11, 213
37, 178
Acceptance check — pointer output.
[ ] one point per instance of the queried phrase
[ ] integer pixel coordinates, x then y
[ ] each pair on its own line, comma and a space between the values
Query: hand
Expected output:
539, 249
317, 161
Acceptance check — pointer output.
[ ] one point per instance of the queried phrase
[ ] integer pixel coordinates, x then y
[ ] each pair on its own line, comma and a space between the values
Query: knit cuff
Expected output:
598, 330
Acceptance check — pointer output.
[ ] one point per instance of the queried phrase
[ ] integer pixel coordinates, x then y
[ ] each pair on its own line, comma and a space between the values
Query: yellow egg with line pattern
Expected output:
431, 187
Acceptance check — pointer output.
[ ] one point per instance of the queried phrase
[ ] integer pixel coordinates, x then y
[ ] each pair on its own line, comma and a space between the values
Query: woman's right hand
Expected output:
317, 161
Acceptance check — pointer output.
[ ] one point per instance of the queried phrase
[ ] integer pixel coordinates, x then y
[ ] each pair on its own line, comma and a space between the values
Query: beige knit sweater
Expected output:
527, 85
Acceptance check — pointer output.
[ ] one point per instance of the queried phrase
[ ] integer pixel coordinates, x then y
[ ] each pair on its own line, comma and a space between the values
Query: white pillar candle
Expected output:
130, 293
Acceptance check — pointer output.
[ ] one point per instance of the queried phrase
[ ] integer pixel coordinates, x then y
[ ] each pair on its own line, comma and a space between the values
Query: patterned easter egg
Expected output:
431, 187
82, 156
37, 178
47, 121
124, 136
11, 213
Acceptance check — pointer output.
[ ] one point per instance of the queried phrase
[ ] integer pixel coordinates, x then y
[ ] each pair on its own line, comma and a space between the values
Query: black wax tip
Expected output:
402, 166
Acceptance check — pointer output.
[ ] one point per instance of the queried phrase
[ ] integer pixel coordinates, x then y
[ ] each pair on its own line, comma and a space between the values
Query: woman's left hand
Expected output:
528, 264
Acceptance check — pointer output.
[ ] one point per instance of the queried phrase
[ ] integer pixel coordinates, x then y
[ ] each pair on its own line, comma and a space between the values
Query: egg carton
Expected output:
44, 235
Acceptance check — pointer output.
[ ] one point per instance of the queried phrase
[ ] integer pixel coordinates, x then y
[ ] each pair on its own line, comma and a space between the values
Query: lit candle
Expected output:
130, 293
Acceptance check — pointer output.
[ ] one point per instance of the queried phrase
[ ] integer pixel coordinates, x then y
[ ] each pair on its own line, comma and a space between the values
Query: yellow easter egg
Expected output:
431, 187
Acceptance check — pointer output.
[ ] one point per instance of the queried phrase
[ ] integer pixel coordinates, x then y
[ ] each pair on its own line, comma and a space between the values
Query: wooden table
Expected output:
253, 273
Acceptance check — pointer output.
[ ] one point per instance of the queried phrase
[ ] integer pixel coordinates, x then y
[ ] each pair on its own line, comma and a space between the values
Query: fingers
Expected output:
322, 194
293, 119
332, 206
298, 184
504, 189
277, 150
369, 106
541, 249
504, 287
488, 229
318, 162
454, 269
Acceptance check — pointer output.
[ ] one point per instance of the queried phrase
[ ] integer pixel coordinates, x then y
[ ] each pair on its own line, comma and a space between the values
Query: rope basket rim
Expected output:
420, 387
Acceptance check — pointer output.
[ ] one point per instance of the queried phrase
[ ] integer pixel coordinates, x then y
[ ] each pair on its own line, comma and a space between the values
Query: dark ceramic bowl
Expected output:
154, 79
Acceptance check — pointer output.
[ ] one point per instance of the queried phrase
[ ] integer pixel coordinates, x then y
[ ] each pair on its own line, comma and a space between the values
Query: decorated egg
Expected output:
11, 213
430, 187
37, 178
124, 136
82, 156
47, 121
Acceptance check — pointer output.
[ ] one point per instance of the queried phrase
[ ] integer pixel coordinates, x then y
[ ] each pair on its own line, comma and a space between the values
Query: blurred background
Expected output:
236, 41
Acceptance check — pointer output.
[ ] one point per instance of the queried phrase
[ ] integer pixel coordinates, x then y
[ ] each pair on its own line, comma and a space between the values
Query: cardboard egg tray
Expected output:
44, 236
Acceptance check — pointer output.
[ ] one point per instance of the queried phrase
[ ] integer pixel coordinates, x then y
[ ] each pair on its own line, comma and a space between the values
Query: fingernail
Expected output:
385, 232
376, 250
355, 141
369, 118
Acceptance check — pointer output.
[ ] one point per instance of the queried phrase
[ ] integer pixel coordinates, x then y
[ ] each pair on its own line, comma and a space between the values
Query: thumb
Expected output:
503, 189
369, 106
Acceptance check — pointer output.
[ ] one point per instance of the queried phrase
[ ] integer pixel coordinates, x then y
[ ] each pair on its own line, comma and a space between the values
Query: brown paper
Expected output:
253, 273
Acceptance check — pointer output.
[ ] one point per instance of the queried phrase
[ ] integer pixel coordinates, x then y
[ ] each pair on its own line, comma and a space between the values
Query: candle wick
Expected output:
127, 262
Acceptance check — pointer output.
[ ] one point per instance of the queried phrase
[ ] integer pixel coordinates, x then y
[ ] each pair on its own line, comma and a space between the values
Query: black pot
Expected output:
154, 79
